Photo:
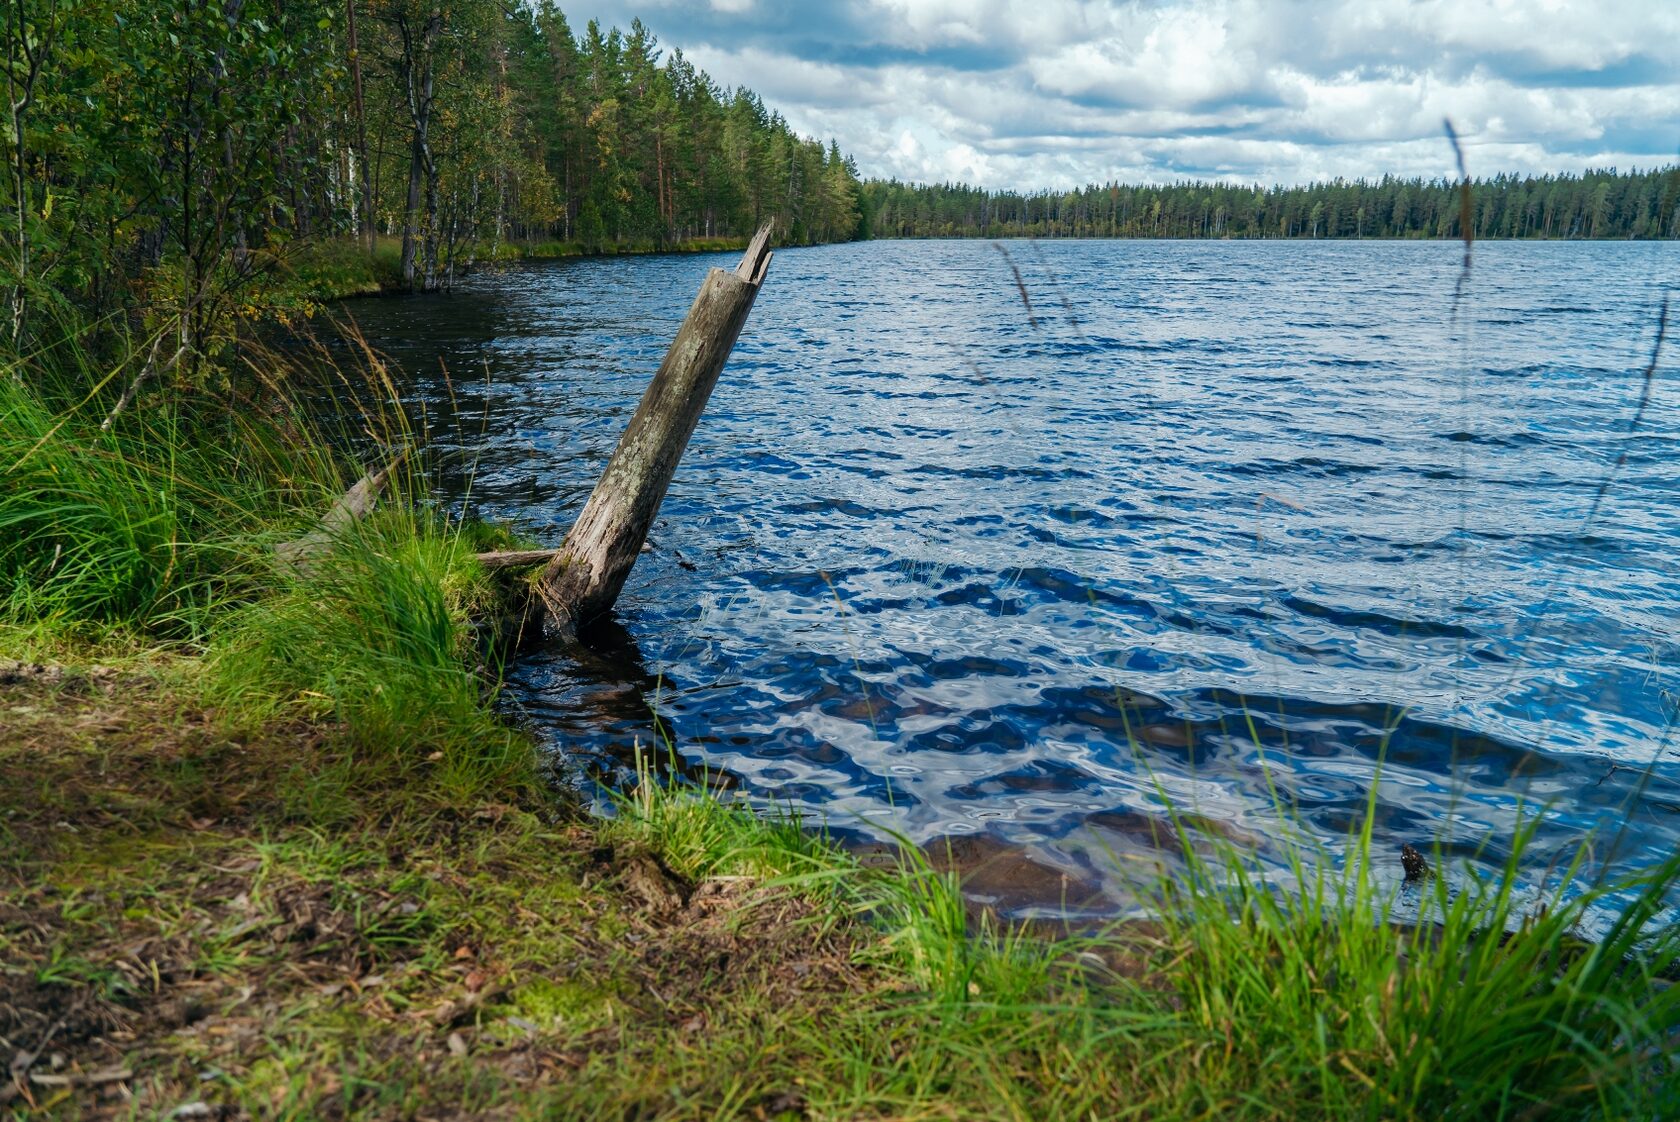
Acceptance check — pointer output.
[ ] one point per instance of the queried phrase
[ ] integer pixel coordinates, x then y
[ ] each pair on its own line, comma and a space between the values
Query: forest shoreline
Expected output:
341, 269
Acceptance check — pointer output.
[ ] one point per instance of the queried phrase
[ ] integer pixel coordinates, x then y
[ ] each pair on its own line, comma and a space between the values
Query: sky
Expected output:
1029, 94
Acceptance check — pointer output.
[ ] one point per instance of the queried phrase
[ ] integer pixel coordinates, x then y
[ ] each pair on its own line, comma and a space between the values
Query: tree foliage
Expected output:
163, 156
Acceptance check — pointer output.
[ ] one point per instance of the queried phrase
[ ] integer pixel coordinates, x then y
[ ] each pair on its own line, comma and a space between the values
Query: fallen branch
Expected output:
351, 507
140, 379
516, 558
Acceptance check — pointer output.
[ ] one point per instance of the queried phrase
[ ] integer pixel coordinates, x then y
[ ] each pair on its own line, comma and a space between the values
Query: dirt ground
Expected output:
199, 926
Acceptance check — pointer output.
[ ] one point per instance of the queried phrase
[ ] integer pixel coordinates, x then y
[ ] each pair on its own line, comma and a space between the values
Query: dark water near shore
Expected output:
1228, 517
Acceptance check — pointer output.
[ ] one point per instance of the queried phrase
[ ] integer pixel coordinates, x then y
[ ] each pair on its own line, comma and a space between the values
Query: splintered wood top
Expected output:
756, 262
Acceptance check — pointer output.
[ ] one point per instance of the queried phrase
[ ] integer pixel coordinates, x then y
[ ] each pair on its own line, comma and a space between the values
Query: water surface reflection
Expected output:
1232, 523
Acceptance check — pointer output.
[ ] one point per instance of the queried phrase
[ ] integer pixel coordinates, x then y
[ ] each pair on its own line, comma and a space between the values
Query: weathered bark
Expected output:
419, 85
411, 212
584, 579
516, 558
146, 371
21, 75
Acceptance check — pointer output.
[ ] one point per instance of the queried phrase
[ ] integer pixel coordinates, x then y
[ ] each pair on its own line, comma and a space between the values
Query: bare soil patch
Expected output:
174, 942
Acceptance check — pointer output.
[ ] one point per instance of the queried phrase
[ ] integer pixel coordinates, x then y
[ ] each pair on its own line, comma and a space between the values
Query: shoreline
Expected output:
339, 269
265, 850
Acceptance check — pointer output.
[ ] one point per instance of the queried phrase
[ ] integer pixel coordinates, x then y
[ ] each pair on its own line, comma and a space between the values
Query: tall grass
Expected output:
151, 523
162, 527
1338, 999
1469, 1000
378, 636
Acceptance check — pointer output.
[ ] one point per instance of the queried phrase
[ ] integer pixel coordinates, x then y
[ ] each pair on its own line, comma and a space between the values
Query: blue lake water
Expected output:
1225, 522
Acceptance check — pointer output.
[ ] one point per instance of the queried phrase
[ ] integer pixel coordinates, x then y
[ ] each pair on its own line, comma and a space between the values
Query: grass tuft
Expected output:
378, 637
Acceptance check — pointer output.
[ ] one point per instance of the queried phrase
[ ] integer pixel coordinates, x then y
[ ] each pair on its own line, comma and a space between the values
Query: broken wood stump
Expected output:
585, 577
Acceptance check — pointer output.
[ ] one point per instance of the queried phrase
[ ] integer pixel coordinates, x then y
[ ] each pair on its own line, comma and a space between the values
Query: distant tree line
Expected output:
1599, 204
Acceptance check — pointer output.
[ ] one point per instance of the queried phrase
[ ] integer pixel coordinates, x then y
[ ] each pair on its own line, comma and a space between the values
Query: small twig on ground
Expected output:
84, 1079
24, 1060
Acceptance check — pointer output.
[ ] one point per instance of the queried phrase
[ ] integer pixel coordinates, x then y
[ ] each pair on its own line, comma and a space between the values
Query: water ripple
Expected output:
1236, 525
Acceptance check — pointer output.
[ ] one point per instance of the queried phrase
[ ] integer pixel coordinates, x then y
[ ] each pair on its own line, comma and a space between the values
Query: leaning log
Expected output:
348, 509
585, 577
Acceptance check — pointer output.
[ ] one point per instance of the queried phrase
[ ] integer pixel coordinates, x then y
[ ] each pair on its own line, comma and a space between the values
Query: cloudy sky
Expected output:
1055, 93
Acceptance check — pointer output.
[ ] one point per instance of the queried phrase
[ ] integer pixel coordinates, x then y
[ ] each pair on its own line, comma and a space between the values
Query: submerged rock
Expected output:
1417, 869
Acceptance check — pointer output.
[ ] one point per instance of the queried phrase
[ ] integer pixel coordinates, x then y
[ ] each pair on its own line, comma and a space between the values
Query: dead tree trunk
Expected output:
350, 508
584, 579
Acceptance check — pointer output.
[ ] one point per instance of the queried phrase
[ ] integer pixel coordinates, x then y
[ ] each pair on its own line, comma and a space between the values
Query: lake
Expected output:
1247, 526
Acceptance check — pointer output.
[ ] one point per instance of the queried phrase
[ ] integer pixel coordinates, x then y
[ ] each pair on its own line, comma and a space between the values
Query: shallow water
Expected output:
1222, 521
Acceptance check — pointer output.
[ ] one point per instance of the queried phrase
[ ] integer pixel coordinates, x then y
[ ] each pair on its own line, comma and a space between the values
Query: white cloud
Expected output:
1055, 93
1187, 61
